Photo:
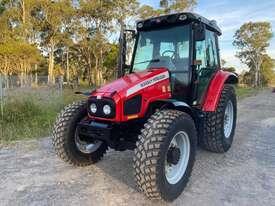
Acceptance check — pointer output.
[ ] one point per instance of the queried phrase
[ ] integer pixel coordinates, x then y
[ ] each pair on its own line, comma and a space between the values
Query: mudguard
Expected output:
182, 106
215, 88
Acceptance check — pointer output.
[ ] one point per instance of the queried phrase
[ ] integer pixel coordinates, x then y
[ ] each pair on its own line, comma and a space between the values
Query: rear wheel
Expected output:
71, 147
165, 154
219, 127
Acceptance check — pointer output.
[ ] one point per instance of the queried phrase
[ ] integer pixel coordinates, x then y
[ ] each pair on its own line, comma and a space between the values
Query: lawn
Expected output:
30, 113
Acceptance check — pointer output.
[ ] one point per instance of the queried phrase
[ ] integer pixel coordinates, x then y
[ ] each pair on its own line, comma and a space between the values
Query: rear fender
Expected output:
215, 88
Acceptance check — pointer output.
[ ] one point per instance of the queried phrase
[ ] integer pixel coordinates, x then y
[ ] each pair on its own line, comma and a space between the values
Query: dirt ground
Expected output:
31, 174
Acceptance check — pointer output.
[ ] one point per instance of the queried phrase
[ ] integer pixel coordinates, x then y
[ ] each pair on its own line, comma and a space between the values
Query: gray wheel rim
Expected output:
174, 173
228, 119
86, 147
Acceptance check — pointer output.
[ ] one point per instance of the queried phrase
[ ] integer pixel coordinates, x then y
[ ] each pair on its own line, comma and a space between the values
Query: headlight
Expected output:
93, 108
107, 109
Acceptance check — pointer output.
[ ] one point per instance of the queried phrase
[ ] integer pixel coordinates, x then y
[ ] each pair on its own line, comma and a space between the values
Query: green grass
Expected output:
31, 113
243, 92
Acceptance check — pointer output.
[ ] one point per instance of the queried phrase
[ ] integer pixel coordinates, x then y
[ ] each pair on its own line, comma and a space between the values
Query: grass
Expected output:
243, 92
31, 113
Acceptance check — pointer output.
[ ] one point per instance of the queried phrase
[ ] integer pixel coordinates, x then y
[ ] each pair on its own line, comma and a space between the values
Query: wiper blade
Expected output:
152, 60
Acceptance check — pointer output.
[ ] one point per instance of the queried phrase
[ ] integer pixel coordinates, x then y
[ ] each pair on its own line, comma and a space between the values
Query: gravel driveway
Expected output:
30, 173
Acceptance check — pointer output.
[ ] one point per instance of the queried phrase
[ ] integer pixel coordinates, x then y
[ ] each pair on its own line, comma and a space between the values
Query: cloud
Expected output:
230, 15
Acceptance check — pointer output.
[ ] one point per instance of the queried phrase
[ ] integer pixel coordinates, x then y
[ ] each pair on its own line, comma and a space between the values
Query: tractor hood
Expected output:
132, 83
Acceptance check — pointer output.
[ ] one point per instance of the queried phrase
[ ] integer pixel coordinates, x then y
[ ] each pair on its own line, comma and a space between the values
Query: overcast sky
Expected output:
230, 15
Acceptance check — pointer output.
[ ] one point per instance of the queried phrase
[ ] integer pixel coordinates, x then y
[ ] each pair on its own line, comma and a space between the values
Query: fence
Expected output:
9, 84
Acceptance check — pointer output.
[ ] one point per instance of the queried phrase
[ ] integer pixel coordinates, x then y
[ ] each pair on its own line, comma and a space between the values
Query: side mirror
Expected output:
199, 32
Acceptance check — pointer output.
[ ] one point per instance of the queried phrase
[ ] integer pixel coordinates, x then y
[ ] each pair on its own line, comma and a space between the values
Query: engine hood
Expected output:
134, 82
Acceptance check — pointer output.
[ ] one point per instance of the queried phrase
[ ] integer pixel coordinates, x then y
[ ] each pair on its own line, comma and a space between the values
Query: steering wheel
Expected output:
169, 51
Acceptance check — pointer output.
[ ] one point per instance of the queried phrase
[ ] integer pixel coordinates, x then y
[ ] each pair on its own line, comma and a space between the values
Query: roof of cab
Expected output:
177, 18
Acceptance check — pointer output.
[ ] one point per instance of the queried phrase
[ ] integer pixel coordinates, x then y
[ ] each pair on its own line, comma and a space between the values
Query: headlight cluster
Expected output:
102, 108
107, 110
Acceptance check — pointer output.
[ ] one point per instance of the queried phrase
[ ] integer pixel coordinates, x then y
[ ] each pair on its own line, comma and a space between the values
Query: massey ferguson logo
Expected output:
147, 83
151, 81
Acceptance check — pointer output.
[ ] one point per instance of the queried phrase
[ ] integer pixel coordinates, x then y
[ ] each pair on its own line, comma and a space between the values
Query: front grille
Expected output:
100, 104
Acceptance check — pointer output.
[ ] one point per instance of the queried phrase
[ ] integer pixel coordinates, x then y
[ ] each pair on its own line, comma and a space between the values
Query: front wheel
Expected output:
165, 154
68, 144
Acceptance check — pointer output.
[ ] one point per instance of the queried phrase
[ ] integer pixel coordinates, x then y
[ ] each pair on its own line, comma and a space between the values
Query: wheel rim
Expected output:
228, 119
174, 172
86, 147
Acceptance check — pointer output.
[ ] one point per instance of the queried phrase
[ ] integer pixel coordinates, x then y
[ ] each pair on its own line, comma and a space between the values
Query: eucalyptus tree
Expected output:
97, 20
166, 7
52, 22
252, 41
17, 54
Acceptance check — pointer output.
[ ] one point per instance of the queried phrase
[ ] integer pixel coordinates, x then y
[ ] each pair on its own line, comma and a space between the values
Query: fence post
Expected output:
60, 84
1, 97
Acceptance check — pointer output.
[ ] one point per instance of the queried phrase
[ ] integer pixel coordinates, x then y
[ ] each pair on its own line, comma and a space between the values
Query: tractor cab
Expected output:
186, 44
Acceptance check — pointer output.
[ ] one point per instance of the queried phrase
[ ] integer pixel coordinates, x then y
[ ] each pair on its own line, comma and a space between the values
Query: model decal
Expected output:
147, 83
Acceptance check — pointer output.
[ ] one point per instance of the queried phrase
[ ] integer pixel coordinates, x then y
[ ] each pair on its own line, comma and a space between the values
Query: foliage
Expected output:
166, 7
252, 40
16, 56
267, 71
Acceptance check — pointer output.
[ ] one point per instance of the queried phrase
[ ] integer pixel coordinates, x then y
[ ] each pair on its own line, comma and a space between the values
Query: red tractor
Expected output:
172, 98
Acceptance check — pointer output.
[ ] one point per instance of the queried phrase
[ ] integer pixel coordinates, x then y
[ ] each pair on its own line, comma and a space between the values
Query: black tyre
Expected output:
68, 145
165, 154
219, 127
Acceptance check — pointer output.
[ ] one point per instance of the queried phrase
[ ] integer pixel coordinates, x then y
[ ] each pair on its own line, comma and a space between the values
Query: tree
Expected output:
53, 20
166, 7
267, 72
97, 20
252, 40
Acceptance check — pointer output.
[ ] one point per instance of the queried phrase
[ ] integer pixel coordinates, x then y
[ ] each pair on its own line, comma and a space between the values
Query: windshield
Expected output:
163, 48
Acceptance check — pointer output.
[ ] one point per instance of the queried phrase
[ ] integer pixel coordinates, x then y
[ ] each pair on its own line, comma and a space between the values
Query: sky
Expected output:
230, 15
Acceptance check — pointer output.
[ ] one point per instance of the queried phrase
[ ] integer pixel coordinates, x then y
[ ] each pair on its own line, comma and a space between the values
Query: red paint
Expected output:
120, 86
215, 88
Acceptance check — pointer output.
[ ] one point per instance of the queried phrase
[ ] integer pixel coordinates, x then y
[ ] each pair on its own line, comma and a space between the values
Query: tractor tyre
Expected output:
66, 142
219, 126
165, 154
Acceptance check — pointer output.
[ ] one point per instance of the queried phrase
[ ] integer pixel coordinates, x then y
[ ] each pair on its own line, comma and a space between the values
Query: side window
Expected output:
200, 53
206, 51
211, 50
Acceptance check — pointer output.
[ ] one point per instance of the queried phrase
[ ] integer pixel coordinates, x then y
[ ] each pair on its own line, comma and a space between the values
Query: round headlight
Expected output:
93, 108
107, 109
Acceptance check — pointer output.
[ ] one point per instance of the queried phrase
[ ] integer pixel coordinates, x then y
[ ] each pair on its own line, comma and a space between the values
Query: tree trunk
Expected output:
67, 65
51, 67
36, 76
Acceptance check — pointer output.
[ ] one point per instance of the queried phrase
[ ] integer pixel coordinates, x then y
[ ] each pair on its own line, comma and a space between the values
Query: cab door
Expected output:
206, 52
